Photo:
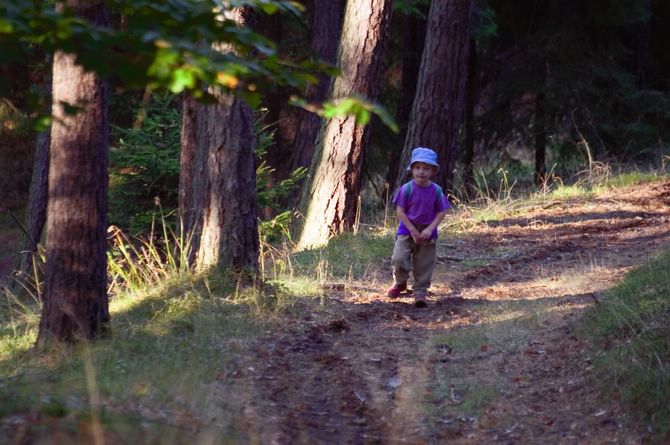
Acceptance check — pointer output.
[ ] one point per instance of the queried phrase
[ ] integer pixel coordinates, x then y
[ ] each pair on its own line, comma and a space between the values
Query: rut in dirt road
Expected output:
365, 369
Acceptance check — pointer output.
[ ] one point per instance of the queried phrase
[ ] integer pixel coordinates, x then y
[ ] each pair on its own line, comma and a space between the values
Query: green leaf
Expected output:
361, 108
362, 116
182, 78
42, 123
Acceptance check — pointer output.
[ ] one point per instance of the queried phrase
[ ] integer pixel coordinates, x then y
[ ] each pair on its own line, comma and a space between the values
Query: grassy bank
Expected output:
631, 332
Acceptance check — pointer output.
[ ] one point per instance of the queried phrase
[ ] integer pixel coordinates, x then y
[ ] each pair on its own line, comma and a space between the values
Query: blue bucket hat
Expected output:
425, 155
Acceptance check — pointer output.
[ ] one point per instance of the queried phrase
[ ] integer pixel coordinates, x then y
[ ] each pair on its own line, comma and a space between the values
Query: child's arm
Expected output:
402, 216
428, 231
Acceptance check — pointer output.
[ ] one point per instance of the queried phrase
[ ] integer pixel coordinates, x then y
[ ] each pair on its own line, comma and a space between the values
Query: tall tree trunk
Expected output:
469, 123
438, 104
36, 210
75, 297
225, 149
540, 133
191, 178
330, 198
326, 28
414, 36
229, 228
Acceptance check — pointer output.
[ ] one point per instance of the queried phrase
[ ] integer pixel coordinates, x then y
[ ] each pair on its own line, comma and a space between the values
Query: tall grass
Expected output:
173, 333
631, 328
136, 264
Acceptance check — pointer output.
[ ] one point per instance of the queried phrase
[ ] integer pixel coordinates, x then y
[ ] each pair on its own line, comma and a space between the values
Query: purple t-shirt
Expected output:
421, 206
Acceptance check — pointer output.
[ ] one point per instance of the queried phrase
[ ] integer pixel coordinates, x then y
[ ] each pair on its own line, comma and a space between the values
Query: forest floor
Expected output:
495, 358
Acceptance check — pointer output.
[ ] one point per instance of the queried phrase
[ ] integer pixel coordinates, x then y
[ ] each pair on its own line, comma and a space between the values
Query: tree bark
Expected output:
191, 178
224, 152
469, 122
229, 229
331, 195
414, 36
75, 297
437, 112
36, 210
326, 29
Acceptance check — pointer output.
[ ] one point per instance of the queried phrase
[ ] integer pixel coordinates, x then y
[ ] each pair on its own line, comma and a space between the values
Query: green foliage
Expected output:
144, 171
17, 144
632, 324
579, 57
483, 21
358, 106
144, 165
411, 7
163, 44
273, 196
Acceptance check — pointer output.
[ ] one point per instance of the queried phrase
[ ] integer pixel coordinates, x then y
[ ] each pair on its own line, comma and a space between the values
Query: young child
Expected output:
420, 206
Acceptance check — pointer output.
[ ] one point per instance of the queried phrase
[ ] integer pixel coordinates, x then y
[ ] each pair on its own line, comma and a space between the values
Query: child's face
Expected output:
422, 172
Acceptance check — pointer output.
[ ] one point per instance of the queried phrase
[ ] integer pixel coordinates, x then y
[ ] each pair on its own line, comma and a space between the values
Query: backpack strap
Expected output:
408, 189
438, 193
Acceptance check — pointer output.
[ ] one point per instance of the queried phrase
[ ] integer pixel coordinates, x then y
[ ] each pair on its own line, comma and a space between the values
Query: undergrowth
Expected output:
632, 326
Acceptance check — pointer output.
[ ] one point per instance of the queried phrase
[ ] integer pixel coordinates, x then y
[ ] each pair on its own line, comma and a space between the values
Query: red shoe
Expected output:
395, 290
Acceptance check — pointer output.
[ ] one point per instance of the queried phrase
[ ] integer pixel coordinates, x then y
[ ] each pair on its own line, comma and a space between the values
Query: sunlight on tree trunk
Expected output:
331, 195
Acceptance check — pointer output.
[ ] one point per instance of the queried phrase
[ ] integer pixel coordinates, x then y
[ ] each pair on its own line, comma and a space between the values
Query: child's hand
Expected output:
426, 234
416, 236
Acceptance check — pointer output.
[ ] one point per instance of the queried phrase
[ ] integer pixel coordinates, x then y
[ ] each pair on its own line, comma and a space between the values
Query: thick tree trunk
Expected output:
229, 229
75, 297
414, 36
330, 197
326, 28
439, 101
224, 152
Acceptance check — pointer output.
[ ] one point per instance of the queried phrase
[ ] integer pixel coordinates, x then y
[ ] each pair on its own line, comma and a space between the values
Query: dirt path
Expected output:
493, 359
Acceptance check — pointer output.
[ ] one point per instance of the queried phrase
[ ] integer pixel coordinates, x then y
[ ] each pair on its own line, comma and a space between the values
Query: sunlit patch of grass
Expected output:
631, 328
165, 321
626, 179
19, 319
345, 256
570, 192
299, 285
156, 336
497, 325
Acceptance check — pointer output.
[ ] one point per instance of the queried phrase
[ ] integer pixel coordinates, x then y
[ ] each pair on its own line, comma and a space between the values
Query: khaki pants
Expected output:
418, 258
